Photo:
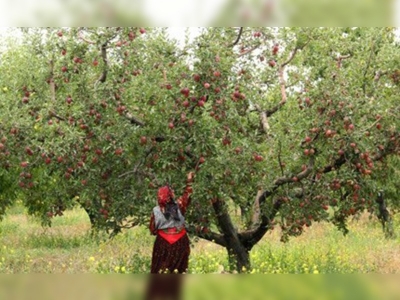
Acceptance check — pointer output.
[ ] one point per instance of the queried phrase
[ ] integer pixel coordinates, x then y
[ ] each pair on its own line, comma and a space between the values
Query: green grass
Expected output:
68, 247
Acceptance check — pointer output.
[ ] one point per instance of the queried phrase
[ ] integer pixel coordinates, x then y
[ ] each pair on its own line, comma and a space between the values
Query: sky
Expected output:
182, 13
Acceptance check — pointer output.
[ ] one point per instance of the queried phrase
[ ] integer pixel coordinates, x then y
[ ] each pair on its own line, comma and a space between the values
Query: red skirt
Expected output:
170, 258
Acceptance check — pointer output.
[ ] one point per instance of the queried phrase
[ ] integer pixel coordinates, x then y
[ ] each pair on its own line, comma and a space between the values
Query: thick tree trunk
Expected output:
91, 215
239, 259
238, 254
384, 216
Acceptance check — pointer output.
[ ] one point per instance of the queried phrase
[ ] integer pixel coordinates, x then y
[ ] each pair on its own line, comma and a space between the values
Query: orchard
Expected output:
283, 127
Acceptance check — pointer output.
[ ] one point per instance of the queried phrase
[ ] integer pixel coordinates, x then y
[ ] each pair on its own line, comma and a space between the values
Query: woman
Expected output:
171, 248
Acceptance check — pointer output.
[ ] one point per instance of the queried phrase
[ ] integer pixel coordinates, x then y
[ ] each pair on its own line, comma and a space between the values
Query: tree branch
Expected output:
264, 115
83, 39
334, 166
134, 120
273, 110
238, 37
103, 75
224, 221
292, 55
263, 119
52, 84
248, 51
252, 236
209, 236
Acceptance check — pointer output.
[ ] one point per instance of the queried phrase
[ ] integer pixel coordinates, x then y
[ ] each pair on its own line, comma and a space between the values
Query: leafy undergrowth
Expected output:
68, 247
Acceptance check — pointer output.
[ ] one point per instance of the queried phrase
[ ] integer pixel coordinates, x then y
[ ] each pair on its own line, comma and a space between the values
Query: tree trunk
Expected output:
238, 254
239, 259
91, 215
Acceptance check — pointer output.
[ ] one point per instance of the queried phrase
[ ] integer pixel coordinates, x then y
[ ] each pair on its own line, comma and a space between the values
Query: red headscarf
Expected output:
165, 194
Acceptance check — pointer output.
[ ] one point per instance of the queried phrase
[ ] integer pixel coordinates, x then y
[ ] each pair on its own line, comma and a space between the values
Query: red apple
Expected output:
207, 85
196, 77
328, 133
118, 151
24, 164
238, 150
275, 49
201, 160
143, 140
226, 141
183, 117
64, 69
142, 30
217, 73
28, 151
185, 91
272, 63
171, 125
95, 63
258, 157
131, 35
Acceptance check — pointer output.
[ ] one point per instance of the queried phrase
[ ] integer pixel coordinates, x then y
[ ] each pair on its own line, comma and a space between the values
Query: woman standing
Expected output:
171, 248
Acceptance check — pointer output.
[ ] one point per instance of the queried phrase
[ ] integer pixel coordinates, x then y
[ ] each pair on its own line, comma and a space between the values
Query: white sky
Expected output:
182, 12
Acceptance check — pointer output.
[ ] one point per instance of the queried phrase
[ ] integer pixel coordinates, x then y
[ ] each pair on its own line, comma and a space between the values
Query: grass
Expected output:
67, 247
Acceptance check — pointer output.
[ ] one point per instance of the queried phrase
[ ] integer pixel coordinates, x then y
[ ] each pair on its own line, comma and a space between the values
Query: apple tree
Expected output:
283, 127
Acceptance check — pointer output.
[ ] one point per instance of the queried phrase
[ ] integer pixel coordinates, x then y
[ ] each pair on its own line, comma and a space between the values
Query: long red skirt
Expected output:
170, 258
